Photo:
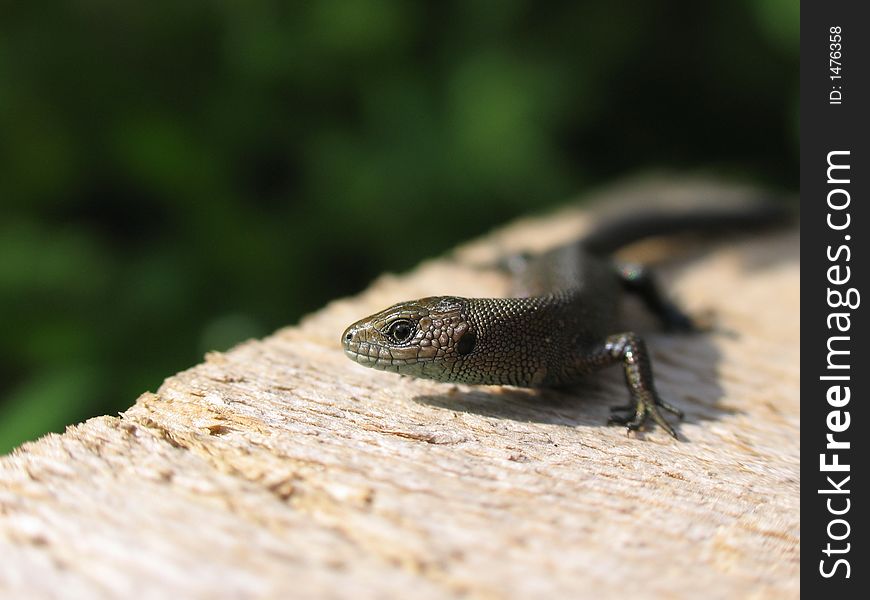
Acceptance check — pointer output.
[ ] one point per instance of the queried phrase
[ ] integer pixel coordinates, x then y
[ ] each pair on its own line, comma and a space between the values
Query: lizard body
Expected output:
561, 325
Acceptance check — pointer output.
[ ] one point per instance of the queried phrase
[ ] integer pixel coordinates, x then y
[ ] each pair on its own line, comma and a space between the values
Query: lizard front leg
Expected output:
629, 349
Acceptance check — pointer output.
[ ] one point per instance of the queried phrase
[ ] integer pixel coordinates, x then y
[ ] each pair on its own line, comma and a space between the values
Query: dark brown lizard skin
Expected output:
562, 326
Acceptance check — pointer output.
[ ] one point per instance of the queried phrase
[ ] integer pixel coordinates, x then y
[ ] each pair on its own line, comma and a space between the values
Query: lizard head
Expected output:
422, 337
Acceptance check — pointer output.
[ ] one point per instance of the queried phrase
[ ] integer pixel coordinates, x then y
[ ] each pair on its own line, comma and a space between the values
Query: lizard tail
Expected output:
613, 234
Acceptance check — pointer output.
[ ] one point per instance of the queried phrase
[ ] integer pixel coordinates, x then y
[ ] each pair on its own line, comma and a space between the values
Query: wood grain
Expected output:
282, 469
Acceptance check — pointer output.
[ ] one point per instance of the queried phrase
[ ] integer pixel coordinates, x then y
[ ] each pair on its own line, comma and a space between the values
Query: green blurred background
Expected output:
178, 176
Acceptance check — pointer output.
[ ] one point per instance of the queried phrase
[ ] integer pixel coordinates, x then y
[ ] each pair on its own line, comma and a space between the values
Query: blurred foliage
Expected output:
178, 176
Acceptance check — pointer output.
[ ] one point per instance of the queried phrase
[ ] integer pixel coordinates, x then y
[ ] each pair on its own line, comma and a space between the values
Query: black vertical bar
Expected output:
835, 221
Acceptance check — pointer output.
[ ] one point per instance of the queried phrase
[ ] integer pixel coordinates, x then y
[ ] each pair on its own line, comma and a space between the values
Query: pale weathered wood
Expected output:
282, 469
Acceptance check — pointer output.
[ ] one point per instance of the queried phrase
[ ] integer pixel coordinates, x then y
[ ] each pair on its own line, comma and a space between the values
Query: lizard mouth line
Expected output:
361, 358
375, 356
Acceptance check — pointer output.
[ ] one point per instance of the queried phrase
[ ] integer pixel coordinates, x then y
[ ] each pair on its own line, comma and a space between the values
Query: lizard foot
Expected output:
647, 407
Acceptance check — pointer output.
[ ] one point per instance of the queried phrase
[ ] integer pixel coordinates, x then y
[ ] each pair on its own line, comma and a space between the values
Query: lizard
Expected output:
561, 325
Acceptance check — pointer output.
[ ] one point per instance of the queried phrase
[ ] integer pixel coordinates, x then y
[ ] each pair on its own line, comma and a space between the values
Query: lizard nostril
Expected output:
348, 337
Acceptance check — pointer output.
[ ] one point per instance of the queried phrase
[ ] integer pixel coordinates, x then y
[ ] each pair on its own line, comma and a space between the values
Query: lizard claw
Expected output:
643, 411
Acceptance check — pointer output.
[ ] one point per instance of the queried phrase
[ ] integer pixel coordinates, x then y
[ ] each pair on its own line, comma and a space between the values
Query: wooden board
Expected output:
282, 469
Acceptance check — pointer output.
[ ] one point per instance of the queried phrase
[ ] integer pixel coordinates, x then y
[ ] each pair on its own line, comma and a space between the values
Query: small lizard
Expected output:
561, 326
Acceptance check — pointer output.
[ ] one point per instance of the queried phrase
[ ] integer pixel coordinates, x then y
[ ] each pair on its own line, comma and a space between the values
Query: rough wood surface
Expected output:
282, 469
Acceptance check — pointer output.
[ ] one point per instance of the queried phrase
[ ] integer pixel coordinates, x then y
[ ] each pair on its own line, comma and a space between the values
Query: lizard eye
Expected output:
400, 331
